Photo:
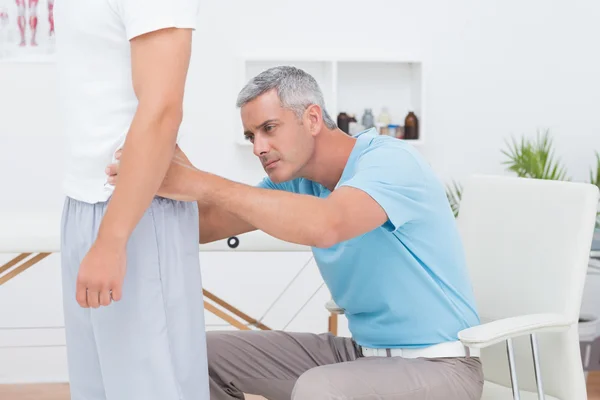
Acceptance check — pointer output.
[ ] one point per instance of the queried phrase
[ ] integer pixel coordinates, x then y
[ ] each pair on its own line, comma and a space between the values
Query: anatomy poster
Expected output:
26, 30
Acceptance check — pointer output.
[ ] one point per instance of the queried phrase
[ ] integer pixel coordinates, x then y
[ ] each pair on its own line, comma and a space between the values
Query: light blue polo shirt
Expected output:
405, 283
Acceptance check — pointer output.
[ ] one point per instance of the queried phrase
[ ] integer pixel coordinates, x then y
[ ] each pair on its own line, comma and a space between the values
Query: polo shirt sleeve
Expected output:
144, 16
393, 177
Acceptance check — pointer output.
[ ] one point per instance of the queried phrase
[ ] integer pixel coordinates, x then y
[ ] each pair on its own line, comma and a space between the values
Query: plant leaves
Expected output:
454, 194
534, 158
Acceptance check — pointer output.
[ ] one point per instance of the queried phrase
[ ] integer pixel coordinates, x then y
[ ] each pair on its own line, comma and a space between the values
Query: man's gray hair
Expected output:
297, 90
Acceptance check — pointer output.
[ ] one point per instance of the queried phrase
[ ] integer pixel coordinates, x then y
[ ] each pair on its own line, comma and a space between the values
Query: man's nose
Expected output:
261, 145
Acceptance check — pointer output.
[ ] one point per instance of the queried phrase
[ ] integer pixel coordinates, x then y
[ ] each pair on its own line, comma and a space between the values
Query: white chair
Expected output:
527, 245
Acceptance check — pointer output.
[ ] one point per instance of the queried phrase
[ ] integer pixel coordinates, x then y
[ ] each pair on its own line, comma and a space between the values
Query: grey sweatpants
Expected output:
150, 345
305, 366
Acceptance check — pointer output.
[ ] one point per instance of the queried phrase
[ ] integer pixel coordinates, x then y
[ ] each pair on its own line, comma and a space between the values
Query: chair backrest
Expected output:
527, 245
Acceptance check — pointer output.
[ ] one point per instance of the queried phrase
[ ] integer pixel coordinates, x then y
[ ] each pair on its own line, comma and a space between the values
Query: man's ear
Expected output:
315, 119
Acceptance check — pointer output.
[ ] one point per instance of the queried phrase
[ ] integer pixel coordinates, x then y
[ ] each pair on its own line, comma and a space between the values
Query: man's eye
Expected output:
269, 128
249, 138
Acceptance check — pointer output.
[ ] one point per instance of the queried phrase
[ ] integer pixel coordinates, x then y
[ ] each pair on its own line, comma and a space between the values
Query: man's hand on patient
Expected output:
178, 182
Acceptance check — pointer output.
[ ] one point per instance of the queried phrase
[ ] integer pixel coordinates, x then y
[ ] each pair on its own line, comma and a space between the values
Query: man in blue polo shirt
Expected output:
385, 241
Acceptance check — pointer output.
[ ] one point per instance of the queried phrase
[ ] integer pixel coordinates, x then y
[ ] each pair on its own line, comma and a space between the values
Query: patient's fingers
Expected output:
118, 154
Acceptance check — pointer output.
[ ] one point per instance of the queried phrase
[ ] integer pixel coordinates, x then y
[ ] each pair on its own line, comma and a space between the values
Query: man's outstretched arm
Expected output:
303, 219
216, 224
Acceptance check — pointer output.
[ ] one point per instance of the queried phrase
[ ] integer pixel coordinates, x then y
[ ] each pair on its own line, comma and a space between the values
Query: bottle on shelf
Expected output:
383, 122
353, 126
411, 126
395, 131
368, 119
343, 122
384, 117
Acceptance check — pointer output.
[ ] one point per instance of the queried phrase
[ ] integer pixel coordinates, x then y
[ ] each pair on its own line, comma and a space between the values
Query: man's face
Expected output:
282, 142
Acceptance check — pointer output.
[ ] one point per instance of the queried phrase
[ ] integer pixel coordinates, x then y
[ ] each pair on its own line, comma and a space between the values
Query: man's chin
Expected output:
276, 177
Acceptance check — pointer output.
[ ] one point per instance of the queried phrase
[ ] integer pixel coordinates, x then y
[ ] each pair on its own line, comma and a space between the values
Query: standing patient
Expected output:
383, 236
131, 276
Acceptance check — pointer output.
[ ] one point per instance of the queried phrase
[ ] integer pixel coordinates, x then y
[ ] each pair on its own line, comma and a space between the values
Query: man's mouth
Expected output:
270, 164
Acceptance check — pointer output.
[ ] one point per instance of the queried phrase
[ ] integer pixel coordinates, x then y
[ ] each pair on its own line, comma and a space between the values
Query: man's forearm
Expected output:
216, 224
147, 153
295, 218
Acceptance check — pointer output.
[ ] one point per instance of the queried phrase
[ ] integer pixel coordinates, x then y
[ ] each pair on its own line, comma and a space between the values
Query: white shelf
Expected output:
351, 84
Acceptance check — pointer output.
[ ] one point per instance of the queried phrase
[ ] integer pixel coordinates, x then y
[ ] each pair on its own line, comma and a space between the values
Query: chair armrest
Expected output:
497, 331
333, 308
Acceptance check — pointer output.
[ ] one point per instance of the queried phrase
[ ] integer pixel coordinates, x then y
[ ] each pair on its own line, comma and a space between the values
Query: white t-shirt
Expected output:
95, 83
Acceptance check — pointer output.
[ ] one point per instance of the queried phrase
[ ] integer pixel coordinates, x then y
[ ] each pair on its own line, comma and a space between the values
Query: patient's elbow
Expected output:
166, 113
170, 115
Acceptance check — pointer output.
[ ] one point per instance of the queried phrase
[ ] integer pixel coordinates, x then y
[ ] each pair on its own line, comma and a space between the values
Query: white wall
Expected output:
492, 69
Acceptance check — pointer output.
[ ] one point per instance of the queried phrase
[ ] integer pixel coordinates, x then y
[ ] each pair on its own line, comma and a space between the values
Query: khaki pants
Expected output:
305, 366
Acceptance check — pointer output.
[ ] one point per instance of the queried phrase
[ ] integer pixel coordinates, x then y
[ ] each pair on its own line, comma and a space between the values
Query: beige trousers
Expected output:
305, 366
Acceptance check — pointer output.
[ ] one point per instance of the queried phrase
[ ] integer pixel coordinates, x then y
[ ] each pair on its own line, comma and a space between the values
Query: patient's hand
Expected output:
178, 182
